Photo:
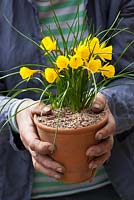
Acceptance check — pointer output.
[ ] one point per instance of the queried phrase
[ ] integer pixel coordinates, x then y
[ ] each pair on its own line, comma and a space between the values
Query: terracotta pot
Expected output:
71, 146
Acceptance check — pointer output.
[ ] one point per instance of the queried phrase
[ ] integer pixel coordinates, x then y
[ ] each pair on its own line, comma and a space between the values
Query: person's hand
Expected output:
39, 150
101, 152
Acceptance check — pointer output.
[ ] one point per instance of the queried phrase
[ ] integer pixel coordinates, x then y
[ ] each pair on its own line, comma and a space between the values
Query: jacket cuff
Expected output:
12, 115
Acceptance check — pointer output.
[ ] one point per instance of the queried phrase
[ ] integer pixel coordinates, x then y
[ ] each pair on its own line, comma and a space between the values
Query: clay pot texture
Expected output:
71, 146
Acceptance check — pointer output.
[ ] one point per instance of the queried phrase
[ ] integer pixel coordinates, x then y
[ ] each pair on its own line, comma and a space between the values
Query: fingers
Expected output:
101, 148
100, 104
100, 153
94, 170
108, 129
47, 171
27, 129
38, 108
97, 162
39, 150
30, 138
40, 147
47, 165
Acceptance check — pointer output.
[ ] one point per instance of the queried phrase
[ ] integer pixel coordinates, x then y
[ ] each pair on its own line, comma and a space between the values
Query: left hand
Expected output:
100, 153
40, 151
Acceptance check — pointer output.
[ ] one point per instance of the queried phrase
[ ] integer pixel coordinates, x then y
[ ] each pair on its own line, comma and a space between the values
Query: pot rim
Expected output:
70, 130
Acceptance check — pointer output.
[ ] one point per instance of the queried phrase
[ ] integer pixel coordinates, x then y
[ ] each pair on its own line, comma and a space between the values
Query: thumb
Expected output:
99, 103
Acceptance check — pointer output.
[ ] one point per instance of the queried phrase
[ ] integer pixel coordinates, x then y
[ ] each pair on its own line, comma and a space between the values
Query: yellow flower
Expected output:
94, 45
50, 75
94, 65
62, 62
105, 53
48, 44
27, 73
108, 71
75, 62
82, 51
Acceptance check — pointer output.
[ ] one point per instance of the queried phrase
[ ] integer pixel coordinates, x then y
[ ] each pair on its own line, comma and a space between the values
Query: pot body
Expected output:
71, 147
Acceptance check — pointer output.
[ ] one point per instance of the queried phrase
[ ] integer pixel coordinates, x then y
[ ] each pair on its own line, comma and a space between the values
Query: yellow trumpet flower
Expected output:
108, 71
82, 51
94, 65
75, 62
50, 75
105, 53
62, 62
48, 44
26, 73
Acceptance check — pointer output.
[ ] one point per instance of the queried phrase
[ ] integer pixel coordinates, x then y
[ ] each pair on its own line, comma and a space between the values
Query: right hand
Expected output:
38, 149
98, 154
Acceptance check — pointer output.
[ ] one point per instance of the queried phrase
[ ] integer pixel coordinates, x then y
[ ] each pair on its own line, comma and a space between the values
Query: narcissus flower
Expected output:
26, 73
82, 51
48, 44
62, 62
94, 45
105, 53
94, 65
75, 62
108, 71
50, 75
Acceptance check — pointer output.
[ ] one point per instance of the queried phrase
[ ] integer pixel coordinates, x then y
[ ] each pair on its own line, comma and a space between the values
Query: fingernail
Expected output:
47, 110
51, 148
99, 136
92, 166
59, 169
90, 153
96, 105
57, 176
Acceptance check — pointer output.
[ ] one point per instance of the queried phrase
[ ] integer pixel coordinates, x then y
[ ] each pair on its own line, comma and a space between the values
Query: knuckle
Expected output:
102, 160
111, 142
47, 164
34, 154
99, 150
33, 144
38, 146
37, 157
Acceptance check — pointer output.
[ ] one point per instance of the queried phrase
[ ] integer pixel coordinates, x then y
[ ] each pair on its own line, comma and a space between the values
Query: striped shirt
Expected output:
44, 186
65, 12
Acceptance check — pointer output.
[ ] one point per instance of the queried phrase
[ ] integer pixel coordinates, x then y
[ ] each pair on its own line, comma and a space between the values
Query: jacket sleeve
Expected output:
121, 103
6, 103
121, 97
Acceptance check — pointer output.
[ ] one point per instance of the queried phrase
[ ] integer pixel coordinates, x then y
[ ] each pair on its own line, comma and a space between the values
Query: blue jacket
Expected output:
15, 162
